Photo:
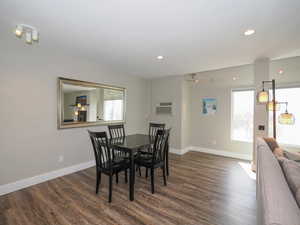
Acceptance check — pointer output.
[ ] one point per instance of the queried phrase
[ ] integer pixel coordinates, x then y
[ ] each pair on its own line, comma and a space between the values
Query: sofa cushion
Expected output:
278, 152
272, 143
292, 156
291, 171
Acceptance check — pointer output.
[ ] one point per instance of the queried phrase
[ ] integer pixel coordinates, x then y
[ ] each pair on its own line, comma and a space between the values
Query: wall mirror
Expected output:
82, 104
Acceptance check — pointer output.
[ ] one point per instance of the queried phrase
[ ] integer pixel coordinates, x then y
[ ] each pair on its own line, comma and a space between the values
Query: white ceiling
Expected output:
192, 35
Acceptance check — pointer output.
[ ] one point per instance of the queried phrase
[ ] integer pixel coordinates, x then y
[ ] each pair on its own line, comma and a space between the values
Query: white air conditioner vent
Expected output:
164, 108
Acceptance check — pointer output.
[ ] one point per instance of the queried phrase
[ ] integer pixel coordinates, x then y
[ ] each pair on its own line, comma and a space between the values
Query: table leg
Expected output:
131, 180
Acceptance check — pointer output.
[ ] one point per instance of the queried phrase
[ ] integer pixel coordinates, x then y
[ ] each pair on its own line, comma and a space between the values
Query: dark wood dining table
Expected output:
132, 144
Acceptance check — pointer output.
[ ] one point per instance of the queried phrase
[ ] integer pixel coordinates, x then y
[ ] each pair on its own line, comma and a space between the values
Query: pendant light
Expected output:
263, 96
286, 118
270, 106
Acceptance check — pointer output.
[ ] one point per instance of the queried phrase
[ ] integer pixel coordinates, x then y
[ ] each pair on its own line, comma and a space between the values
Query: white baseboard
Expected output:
179, 151
221, 153
211, 151
11, 187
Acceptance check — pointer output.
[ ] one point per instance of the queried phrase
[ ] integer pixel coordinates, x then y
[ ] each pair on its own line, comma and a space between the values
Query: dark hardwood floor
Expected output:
202, 189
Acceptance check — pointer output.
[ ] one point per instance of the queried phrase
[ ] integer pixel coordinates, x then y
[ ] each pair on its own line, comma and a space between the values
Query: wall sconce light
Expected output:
31, 33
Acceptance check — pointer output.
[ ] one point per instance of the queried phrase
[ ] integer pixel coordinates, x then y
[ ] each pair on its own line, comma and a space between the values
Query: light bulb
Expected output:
28, 38
19, 31
35, 35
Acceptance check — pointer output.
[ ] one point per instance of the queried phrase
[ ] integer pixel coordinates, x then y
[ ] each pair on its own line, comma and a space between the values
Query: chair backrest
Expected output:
160, 145
101, 148
116, 131
154, 127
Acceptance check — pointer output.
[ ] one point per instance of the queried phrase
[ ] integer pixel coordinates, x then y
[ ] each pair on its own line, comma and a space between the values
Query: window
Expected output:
287, 134
113, 110
113, 105
242, 114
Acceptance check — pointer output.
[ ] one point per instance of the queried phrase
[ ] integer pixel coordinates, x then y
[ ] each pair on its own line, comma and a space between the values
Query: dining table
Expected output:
131, 144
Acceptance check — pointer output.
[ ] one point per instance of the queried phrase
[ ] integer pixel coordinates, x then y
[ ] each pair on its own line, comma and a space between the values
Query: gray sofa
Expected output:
276, 204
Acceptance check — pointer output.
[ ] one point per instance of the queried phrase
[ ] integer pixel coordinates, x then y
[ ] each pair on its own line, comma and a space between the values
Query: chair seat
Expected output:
146, 161
117, 165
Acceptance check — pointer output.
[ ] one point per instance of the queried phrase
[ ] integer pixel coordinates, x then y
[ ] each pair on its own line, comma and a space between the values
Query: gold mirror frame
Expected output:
60, 102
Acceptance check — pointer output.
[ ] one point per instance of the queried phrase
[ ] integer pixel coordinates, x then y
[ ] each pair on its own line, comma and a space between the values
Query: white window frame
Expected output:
231, 112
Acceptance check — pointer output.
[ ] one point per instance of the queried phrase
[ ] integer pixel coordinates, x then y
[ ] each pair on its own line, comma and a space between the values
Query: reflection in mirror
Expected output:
90, 104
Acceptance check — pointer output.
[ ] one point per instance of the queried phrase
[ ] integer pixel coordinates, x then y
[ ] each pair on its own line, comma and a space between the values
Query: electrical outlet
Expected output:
61, 158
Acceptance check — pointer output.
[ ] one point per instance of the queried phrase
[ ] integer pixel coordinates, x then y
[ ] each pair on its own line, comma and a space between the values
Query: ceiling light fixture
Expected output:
31, 33
160, 57
234, 78
249, 32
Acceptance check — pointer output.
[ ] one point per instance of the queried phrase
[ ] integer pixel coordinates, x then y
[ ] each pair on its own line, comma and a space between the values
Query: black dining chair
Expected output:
153, 128
105, 163
158, 157
117, 132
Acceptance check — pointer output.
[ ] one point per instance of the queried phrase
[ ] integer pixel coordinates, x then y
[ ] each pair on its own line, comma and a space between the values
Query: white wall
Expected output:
30, 143
168, 89
214, 131
186, 115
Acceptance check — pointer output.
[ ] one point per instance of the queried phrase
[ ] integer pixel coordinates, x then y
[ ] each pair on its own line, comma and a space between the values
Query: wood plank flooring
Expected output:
202, 189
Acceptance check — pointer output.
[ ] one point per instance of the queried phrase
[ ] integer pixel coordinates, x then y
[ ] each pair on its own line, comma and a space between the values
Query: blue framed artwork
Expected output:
209, 106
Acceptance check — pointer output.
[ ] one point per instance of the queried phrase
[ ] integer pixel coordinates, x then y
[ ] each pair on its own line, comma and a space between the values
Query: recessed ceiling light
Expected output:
280, 71
160, 57
249, 32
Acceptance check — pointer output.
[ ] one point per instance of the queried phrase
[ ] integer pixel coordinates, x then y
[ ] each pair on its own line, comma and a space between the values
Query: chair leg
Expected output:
167, 162
164, 175
110, 188
98, 181
152, 180
140, 172
117, 178
146, 173
126, 178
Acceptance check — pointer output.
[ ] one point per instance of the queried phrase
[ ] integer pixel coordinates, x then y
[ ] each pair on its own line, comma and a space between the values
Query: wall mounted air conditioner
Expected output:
164, 108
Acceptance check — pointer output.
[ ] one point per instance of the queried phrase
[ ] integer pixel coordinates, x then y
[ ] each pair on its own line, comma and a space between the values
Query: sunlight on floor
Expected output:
247, 168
